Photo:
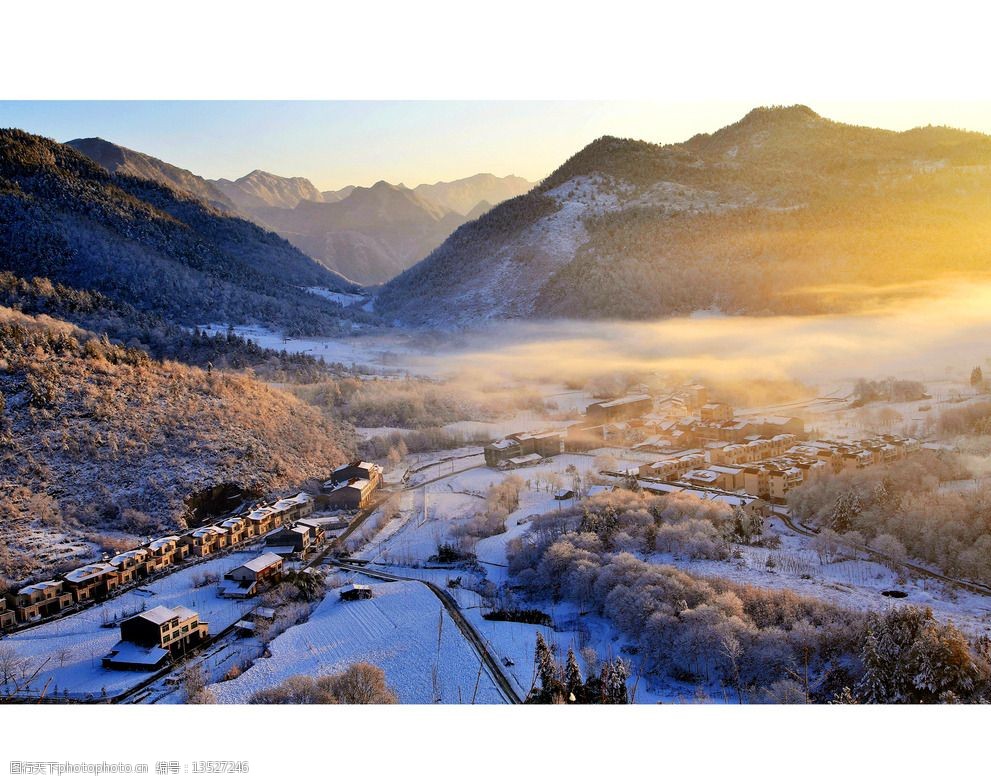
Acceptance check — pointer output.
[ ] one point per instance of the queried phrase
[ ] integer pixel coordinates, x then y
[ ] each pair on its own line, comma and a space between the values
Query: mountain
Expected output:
371, 235
159, 249
756, 218
463, 195
260, 190
121, 160
99, 442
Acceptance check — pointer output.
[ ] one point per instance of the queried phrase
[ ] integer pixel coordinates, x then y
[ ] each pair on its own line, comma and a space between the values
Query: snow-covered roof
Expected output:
263, 612
161, 543
127, 556
623, 400
505, 443
261, 513
531, 458
87, 572
357, 588
231, 523
282, 550
160, 614
41, 586
261, 562
129, 653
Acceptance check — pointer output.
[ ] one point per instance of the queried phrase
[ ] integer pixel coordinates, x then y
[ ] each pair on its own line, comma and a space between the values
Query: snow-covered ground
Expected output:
69, 651
403, 629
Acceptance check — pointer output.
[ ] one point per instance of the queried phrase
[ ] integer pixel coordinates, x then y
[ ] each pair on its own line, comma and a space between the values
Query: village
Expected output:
377, 534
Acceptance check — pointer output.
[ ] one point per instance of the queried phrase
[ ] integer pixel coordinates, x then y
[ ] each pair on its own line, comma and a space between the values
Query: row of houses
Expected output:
98, 580
770, 468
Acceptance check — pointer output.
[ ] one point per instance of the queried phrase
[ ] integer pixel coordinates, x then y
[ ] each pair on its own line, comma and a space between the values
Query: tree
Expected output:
11, 664
552, 689
360, 683
573, 678
976, 376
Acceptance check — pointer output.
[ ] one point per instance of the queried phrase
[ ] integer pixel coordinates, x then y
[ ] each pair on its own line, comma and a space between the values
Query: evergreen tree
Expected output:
976, 376
573, 678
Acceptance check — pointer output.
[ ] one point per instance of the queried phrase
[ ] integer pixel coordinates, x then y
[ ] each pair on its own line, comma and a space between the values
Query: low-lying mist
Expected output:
927, 336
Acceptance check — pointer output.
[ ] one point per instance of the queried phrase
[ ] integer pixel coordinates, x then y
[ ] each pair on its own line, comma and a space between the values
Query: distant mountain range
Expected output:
368, 234
382, 231
759, 217
145, 239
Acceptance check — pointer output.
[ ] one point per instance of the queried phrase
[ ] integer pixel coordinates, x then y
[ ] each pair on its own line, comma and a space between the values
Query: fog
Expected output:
927, 335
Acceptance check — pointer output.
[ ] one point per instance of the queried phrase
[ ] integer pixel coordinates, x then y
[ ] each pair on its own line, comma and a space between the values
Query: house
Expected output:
7, 616
513, 446
296, 540
40, 600
262, 521
715, 411
367, 471
205, 541
502, 450
252, 575
131, 565
782, 424
623, 409
356, 592
295, 508
236, 529
91, 582
353, 495
150, 638
164, 552
524, 461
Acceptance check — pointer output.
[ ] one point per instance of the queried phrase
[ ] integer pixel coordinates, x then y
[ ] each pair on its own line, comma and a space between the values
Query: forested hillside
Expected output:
755, 218
98, 439
66, 218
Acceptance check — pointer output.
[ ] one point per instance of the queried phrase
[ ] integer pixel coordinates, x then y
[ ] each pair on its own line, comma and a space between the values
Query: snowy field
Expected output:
403, 629
69, 651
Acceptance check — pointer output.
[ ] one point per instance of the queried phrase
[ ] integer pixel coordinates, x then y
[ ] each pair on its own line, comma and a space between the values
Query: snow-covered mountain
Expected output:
751, 219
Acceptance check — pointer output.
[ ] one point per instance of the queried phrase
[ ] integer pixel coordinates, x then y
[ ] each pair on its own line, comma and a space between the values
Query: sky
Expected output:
338, 143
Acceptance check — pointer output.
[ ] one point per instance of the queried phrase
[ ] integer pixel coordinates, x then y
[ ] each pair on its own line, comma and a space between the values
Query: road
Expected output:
970, 586
467, 629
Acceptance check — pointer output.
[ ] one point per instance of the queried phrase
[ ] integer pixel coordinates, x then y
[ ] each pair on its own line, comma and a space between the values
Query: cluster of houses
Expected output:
281, 524
771, 468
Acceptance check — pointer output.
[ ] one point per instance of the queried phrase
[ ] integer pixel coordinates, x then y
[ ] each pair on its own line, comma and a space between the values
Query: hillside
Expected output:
98, 440
371, 235
755, 218
121, 160
68, 219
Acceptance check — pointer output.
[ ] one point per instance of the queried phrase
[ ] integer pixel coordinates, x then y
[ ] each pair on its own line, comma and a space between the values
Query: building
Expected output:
91, 582
295, 508
7, 616
513, 446
149, 639
296, 540
131, 565
715, 411
236, 529
205, 541
353, 495
252, 575
41, 600
622, 409
367, 471
356, 592
262, 521
782, 424
165, 552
